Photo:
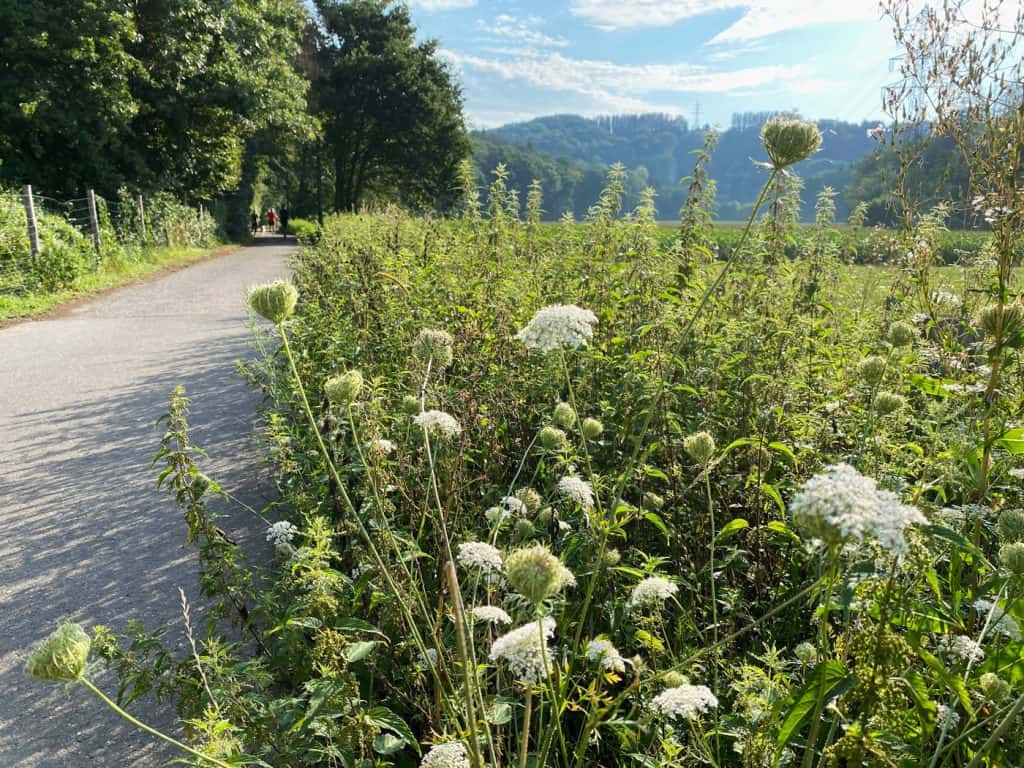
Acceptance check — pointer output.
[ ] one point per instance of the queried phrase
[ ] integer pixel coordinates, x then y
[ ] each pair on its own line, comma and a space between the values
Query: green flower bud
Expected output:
61, 657
410, 405
652, 501
700, 446
901, 334
551, 438
434, 346
674, 679
530, 498
788, 140
994, 688
275, 301
536, 574
1012, 556
611, 558
564, 415
806, 653
1013, 319
545, 515
592, 428
1011, 525
888, 402
871, 369
200, 485
524, 529
344, 389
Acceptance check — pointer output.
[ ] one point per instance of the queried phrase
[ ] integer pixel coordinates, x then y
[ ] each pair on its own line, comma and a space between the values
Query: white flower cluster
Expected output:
522, 649
451, 754
652, 590
280, 534
684, 701
382, 446
558, 325
438, 423
491, 614
997, 619
842, 504
603, 653
946, 718
479, 554
962, 647
577, 490
513, 505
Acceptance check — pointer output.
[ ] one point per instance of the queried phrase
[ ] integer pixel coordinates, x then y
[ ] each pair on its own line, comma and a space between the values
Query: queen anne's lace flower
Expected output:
438, 423
684, 701
961, 646
558, 325
652, 590
577, 489
997, 619
842, 505
603, 653
946, 717
522, 649
491, 614
513, 505
449, 755
382, 446
479, 554
280, 534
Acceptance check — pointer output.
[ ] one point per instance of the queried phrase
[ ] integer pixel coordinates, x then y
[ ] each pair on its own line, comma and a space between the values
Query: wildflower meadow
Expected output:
577, 495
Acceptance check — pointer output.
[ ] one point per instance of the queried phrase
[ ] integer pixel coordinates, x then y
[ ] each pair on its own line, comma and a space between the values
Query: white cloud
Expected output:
521, 30
441, 5
760, 18
557, 72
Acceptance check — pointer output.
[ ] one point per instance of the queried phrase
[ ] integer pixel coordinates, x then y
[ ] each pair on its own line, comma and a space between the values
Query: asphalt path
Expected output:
84, 534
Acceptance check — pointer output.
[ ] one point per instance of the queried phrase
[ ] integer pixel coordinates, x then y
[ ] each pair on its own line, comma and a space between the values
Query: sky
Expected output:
520, 59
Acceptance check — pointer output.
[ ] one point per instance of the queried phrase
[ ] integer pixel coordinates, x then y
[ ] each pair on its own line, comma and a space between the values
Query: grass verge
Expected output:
114, 272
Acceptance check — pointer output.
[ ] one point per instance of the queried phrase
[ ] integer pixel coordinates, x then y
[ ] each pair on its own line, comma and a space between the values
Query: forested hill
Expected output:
659, 148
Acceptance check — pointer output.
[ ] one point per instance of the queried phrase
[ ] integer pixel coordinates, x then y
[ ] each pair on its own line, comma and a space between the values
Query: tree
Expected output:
391, 110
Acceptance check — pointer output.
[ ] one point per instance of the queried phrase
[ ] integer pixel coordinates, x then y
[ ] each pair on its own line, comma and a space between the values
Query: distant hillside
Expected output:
660, 148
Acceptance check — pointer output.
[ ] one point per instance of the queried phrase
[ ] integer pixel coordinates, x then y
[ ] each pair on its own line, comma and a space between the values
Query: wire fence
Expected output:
47, 242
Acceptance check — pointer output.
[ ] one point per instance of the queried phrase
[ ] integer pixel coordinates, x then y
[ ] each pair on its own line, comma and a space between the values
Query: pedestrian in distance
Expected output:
254, 222
272, 220
284, 221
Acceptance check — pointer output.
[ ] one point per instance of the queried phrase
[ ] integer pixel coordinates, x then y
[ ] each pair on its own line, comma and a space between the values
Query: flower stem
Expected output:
152, 731
524, 743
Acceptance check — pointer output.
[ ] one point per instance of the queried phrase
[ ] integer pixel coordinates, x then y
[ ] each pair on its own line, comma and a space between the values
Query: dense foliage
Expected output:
639, 504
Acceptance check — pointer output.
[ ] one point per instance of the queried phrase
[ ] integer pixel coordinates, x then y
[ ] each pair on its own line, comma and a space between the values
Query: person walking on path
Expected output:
284, 221
254, 222
272, 220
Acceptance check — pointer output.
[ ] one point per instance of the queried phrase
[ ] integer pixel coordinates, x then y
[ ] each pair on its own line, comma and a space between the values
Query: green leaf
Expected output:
1012, 441
930, 386
657, 522
388, 744
386, 720
355, 652
732, 528
777, 526
828, 680
785, 450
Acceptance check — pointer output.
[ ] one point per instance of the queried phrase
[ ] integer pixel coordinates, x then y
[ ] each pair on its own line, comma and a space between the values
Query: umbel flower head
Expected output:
654, 590
434, 346
551, 438
480, 555
871, 369
274, 301
841, 504
605, 655
901, 334
61, 657
888, 402
700, 446
577, 489
1011, 525
564, 415
994, 688
558, 325
344, 389
1012, 556
451, 754
438, 423
491, 614
686, 702
536, 574
526, 653
788, 140
592, 428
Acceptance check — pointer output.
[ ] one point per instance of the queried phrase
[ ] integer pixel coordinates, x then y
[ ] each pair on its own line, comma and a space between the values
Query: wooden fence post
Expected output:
33, 224
94, 220
142, 215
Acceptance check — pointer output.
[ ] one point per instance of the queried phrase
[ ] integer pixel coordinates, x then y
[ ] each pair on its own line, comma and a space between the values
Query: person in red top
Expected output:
272, 219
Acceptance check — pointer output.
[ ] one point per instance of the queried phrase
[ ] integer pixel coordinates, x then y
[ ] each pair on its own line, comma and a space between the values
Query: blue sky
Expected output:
520, 59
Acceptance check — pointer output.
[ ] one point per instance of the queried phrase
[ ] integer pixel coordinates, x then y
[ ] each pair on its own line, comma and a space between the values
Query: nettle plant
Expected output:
621, 529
